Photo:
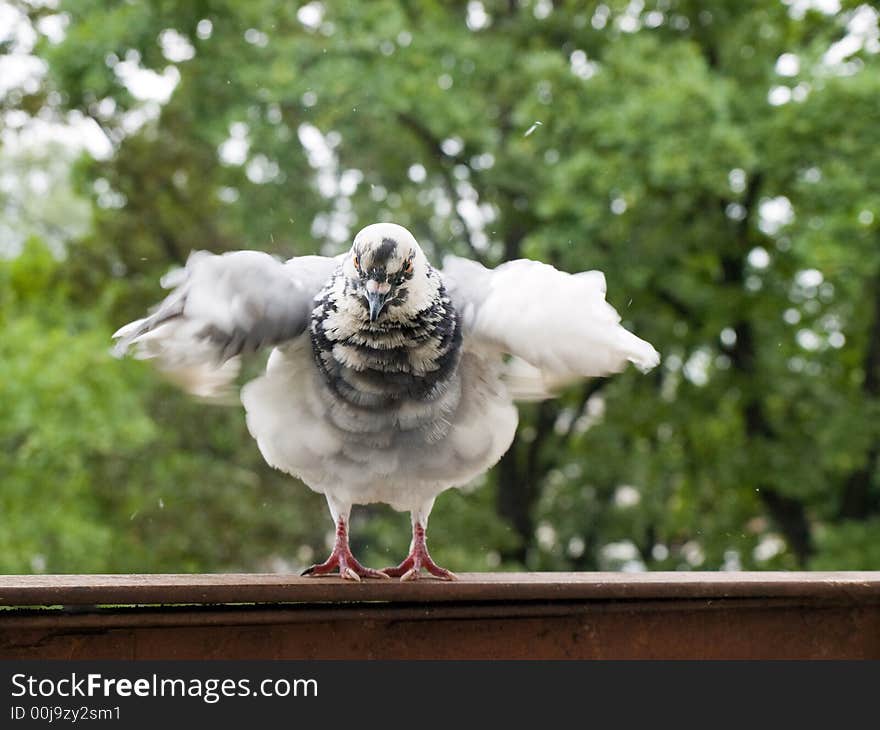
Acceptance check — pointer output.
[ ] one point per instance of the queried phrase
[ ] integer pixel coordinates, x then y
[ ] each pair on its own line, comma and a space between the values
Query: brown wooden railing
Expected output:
494, 615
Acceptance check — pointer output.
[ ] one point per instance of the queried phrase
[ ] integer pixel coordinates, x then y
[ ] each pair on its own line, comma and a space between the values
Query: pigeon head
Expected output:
386, 266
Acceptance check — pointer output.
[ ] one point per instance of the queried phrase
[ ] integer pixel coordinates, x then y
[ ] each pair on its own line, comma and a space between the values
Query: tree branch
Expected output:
590, 389
435, 147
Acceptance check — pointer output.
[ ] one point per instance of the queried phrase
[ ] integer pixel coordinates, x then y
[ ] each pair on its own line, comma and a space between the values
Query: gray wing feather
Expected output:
223, 306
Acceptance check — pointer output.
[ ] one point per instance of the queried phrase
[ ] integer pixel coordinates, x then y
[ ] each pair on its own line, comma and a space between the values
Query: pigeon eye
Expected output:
357, 263
408, 267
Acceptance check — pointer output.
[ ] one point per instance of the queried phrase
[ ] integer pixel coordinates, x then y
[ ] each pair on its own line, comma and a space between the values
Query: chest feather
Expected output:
404, 356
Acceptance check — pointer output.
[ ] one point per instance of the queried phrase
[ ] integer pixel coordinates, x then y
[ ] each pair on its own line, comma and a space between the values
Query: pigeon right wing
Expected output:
556, 326
223, 306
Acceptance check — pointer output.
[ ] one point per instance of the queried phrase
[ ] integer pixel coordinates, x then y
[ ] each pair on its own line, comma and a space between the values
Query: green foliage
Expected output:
848, 546
640, 142
104, 467
68, 409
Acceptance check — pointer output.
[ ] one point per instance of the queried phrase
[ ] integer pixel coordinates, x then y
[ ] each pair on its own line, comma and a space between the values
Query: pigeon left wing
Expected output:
557, 326
223, 306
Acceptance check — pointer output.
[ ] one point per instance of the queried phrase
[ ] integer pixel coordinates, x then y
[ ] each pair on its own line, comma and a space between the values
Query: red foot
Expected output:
418, 558
341, 558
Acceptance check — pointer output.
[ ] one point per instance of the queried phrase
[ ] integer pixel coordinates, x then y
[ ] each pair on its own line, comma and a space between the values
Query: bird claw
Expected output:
411, 568
439, 572
411, 574
415, 572
349, 568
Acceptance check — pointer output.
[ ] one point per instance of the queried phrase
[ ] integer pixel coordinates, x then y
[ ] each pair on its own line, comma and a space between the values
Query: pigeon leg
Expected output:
341, 557
418, 558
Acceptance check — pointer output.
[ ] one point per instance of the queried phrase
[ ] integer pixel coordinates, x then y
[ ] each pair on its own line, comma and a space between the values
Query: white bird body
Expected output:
388, 380
405, 473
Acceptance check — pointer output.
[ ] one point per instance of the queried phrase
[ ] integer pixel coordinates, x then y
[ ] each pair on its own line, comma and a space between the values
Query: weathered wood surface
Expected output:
496, 615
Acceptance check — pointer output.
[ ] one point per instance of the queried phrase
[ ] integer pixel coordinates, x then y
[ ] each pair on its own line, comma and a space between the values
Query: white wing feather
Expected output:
559, 324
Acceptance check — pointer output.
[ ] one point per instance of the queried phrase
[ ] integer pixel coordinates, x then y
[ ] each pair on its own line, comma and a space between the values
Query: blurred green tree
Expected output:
715, 159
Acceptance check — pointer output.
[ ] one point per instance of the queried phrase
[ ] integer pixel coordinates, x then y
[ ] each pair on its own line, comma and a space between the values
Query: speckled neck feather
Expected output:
408, 355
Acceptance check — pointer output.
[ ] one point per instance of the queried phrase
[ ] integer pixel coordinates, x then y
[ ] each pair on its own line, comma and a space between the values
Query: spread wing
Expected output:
223, 306
557, 326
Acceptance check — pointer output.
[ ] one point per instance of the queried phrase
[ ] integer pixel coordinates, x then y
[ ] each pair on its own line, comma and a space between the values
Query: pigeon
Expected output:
388, 380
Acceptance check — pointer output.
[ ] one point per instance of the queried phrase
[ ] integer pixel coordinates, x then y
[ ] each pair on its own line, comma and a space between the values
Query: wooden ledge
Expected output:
238, 588
483, 615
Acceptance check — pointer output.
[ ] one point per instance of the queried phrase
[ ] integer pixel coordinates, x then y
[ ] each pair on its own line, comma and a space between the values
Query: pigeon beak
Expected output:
376, 302
377, 295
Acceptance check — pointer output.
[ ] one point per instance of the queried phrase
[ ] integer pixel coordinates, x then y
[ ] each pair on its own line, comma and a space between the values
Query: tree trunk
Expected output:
860, 500
788, 514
